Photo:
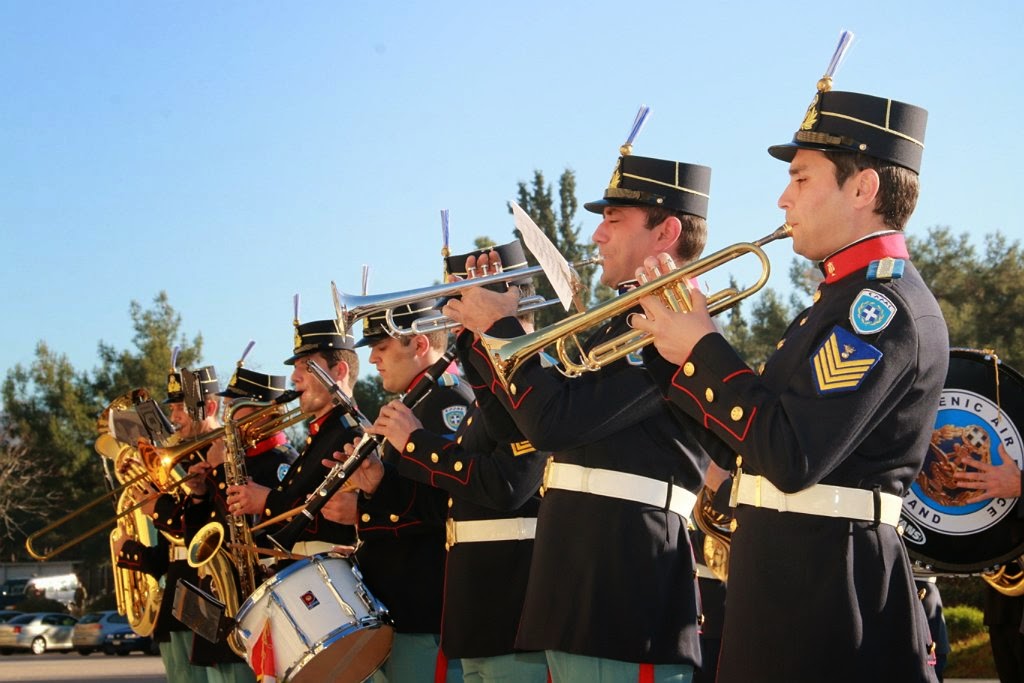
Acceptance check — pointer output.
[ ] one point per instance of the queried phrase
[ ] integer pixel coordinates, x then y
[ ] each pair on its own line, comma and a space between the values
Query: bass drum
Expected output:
980, 417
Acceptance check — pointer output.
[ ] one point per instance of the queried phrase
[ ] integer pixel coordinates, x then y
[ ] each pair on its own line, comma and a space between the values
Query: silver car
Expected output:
91, 631
37, 632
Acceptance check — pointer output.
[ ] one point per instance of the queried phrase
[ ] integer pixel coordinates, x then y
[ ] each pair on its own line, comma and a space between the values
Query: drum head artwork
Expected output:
979, 418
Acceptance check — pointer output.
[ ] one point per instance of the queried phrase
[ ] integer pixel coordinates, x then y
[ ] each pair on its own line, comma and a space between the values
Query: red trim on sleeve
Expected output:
744, 371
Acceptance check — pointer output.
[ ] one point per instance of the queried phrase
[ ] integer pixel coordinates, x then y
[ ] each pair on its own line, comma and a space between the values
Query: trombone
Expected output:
158, 466
352, 307
507, 355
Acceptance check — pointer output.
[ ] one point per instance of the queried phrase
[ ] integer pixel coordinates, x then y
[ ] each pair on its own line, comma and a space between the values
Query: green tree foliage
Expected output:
156, 333
51, 410
370, 396
981, 295
537, 200
756, 341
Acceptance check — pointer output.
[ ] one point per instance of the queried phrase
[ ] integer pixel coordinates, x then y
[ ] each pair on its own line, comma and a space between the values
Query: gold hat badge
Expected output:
825, 82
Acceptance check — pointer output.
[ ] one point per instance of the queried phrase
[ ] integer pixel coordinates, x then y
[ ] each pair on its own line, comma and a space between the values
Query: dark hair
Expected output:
335, 356
692, 237
438, 339
898, 187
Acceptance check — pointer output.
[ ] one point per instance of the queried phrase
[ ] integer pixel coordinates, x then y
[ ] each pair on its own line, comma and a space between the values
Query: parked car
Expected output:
125, 641
91, 631
37, 632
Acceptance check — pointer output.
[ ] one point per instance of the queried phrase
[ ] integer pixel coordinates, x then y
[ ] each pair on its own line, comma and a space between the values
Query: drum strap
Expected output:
824, 500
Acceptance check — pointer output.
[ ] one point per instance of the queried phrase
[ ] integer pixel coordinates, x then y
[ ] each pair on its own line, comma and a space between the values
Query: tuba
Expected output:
138, 594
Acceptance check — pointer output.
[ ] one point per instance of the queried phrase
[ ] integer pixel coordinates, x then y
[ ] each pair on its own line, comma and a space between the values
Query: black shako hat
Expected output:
375, 326
512, 258
246, 383
206, 376
318, 335
848, 121
258, 386
644, 181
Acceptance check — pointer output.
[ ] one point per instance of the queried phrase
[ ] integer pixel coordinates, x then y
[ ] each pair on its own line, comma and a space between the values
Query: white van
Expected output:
61, 588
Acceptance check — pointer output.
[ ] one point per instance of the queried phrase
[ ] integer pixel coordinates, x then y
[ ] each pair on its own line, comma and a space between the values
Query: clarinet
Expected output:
367, 444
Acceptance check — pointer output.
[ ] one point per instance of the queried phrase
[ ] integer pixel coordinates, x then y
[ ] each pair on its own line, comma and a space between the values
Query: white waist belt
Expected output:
824, 500
178, 553
621, 485
481, 530
312, 547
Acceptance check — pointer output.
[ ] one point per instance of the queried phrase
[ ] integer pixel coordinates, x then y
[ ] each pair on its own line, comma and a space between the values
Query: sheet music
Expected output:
561, 276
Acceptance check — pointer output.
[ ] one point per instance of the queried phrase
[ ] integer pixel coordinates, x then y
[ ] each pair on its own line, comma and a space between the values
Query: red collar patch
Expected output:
859, 254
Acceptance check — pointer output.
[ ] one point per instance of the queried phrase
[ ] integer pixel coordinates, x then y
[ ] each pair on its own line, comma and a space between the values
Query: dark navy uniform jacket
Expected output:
610, 578
327, 434
490, 471
849, 399
402, 524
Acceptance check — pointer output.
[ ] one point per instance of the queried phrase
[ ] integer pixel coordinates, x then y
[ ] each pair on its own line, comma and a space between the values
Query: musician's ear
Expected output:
340, 371
666, 234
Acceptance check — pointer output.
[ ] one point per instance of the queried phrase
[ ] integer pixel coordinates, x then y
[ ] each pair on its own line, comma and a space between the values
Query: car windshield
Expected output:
118, 619
23, 619
91, 618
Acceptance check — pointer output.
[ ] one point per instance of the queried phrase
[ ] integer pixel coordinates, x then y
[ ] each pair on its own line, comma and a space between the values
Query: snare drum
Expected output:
323, 623
980, 416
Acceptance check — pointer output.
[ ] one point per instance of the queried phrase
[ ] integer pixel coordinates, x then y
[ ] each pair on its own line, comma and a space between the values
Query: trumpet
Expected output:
351, 307
160, 467
507, 355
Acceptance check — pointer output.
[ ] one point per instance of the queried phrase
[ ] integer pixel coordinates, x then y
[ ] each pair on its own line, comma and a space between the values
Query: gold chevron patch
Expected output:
842, 362
522, 448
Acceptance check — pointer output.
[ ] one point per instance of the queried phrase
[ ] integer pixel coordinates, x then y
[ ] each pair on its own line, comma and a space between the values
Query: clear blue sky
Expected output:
236, 153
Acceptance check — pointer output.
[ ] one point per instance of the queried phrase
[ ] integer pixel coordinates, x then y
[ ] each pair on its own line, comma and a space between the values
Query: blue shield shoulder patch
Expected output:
842, 362
636, 359
282, 470
871, 312
452, 416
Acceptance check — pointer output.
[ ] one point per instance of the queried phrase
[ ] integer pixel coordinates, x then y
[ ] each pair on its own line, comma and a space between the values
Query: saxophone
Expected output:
235, 574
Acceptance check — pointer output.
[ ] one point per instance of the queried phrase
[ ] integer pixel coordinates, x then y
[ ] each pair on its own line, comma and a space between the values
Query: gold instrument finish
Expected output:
138, 594
235, 573
1008, 579
717, 534
507, 355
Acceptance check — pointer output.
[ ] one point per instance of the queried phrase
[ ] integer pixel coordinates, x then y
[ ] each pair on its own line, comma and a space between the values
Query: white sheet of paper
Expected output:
561, 276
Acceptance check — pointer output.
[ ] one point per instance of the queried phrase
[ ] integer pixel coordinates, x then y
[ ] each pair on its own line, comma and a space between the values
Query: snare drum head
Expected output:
978, 419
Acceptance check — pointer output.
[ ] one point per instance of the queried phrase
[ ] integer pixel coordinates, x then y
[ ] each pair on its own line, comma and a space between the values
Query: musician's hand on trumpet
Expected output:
675, 332
247, 499
479, 308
